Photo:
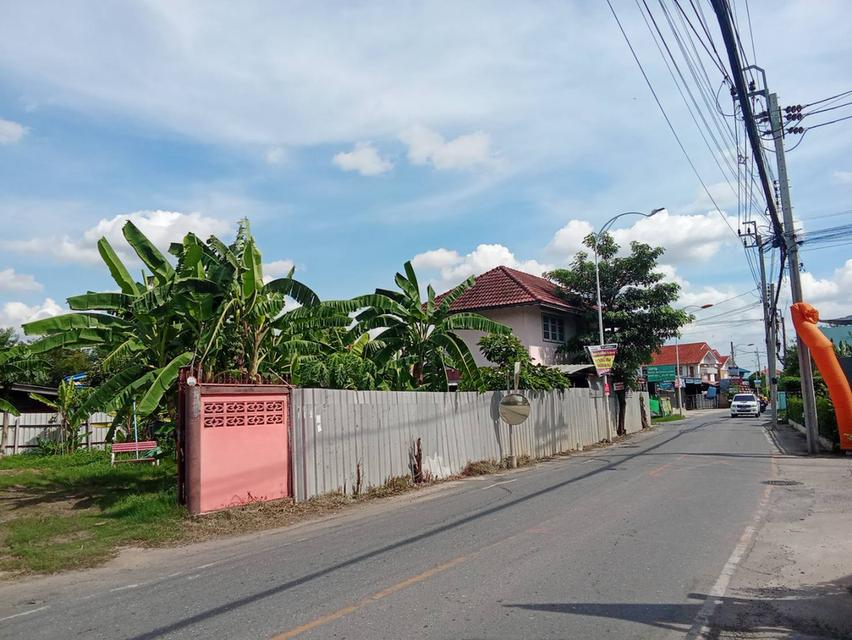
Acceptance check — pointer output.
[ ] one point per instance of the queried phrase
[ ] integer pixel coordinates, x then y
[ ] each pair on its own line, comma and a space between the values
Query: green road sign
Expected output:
661, 373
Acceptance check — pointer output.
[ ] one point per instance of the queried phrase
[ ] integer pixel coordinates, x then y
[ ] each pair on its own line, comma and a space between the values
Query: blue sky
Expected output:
358, 136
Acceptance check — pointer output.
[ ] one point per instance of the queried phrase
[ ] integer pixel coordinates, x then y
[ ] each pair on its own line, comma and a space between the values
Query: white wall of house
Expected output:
527, 325
707, 369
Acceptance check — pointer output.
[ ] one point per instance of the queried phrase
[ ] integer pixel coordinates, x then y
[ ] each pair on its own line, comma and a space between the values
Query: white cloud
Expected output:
670, 274
10, 280
454, 267
276, 269
276, 155
161, 227
842, 177
464, 152
829, 295
14, 314
11, 132
364, 159
569, 239
436, 259
686, 238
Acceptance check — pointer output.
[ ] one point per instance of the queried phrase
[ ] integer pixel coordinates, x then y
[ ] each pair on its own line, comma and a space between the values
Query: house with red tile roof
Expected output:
698, 361
529, 304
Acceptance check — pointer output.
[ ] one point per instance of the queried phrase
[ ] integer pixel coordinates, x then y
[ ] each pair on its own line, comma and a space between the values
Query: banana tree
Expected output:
241, 320
138, 330
69, 398
419, 334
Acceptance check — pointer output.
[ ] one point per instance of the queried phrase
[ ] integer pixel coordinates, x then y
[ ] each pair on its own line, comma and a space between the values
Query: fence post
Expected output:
4, 436
88, 433
15, 441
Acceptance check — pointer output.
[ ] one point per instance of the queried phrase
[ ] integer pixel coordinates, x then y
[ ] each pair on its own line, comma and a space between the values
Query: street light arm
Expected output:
627, 213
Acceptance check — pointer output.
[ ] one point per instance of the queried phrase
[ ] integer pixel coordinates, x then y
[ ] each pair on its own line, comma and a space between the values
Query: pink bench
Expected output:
134, 447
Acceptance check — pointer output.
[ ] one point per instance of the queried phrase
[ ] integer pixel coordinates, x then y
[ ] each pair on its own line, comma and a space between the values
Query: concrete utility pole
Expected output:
807, 376
766, 299
773, 370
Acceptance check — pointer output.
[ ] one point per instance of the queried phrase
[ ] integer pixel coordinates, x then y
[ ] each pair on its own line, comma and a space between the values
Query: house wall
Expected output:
526, 324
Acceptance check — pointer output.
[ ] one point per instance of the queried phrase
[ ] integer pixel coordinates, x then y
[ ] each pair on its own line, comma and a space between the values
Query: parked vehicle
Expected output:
745, 404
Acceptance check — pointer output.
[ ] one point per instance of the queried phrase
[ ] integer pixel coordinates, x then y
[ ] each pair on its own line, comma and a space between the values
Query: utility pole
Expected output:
807, 376
769, 340
773, 370
785, 230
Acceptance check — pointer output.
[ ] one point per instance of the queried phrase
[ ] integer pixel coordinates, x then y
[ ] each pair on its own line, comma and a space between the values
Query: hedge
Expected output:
825, 416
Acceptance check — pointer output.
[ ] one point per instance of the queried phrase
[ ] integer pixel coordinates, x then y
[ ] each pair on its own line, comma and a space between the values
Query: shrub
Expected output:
795, 409
826, 418
481, 468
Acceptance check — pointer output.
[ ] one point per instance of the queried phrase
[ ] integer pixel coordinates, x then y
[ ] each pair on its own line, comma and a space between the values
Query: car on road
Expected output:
745, 404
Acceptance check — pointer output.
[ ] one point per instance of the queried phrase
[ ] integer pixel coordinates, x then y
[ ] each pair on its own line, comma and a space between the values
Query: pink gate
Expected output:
236, 444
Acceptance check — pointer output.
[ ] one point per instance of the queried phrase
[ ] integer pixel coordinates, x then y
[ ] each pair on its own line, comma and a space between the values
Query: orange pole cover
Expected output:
805, 318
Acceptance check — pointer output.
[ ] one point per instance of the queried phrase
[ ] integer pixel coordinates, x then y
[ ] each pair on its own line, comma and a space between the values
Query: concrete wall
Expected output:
526, 324
237, 445
341, 436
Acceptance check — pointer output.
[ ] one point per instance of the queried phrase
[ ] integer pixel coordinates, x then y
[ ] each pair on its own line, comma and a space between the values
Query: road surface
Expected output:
630, 541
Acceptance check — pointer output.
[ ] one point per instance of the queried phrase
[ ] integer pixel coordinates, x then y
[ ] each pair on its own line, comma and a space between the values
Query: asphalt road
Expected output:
630, 541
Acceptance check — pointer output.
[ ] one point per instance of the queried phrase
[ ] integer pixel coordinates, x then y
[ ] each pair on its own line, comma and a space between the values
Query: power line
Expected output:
685, 85
823, 124
666, 116
832, 108
834, 97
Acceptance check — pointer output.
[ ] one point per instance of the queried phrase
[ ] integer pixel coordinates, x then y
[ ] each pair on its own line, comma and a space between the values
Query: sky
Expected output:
356, 136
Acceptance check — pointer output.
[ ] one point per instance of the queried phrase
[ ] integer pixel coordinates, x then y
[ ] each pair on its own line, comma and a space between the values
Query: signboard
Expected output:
661, 373
618, 386
603, 357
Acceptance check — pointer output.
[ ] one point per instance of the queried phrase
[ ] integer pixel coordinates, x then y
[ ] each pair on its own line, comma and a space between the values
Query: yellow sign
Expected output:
603, 357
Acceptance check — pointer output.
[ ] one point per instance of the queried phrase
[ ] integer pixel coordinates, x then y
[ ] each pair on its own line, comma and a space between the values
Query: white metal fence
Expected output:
23, 431
341, 439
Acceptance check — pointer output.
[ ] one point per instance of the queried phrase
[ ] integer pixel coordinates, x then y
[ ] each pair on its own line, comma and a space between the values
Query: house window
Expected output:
553, 328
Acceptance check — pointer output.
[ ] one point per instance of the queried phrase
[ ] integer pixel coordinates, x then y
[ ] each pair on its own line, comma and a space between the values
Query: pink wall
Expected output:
243, 449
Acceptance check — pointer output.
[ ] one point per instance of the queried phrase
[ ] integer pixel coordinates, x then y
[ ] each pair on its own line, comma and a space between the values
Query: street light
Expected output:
597, 270
677, 355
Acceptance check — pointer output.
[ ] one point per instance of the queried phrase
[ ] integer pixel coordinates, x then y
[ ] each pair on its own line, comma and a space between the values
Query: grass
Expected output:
76, 511
64, 512
671, 418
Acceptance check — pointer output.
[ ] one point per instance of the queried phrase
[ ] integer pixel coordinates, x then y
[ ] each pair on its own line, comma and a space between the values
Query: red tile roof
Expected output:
689, 352
505, 287
723, 360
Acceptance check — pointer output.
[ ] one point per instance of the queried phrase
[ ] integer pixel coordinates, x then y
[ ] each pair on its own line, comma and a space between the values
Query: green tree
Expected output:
418, 338
637, 311
212, 309
504, 350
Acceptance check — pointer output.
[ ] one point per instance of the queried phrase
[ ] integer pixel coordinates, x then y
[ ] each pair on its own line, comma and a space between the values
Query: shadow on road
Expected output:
781, 612
460, 522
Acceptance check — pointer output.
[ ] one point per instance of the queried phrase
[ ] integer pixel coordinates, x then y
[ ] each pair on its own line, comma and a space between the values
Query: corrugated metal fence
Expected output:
344, 439
24, 430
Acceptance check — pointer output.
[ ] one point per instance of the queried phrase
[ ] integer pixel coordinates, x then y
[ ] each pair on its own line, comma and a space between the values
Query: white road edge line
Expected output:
497, 484
124, 588
25, 613
701, 627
